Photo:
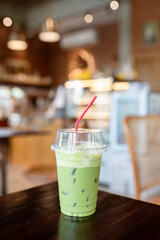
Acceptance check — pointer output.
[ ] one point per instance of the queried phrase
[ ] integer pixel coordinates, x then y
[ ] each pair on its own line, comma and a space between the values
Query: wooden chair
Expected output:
143, 138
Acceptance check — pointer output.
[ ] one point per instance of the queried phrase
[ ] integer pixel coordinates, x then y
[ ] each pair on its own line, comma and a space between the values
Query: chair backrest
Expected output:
143, 138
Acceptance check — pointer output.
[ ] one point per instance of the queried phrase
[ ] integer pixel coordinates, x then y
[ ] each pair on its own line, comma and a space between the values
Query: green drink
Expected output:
78, 170
78, 182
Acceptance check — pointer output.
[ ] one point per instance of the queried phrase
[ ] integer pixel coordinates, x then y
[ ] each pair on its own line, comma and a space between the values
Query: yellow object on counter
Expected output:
81, 74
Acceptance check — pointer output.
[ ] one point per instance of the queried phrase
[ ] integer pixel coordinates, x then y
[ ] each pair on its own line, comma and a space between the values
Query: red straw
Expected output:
78, 120
89, 105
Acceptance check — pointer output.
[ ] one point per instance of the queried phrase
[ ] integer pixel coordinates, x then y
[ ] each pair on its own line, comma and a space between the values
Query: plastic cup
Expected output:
78, 168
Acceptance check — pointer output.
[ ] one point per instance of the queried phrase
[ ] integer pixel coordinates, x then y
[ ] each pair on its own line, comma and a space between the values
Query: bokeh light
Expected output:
88, 18
114, 5
7, 21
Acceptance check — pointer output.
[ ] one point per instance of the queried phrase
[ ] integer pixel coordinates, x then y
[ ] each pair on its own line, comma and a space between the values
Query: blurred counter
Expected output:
35, 150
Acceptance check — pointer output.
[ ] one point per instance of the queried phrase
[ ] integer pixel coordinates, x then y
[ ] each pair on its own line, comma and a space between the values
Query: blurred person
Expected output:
65, 101
57, 106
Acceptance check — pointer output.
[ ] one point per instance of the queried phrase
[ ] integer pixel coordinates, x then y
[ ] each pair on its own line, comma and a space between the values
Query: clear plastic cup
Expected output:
78, 157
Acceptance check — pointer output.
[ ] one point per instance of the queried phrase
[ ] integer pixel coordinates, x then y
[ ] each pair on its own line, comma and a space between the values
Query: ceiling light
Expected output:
7, 21
88, 18
17, 41
48, 33
114, 5
49, 36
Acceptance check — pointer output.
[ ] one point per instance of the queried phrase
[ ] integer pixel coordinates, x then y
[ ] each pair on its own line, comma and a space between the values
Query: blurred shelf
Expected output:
86, 100
95, 110
21, 80
95, 85
96, 116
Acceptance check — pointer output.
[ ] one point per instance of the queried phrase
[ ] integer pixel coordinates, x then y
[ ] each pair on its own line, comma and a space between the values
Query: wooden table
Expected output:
35, 214
5, 134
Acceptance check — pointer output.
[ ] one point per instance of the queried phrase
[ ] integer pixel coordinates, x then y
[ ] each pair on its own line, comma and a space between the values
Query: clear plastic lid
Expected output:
84, 139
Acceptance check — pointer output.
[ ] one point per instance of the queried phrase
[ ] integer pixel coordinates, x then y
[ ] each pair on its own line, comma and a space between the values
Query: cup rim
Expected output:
100, 149
80, 130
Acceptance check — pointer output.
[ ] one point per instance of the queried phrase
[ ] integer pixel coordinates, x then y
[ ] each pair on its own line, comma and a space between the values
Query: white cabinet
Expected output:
129, 103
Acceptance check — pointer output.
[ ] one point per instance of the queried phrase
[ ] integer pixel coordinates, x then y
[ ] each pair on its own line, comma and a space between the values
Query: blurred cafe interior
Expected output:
55, 55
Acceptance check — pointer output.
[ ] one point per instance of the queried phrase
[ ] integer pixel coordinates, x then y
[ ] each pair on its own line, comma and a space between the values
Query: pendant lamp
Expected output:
17, 41
48, 33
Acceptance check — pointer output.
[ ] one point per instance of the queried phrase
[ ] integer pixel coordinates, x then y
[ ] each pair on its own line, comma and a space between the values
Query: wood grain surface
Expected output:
35, 214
